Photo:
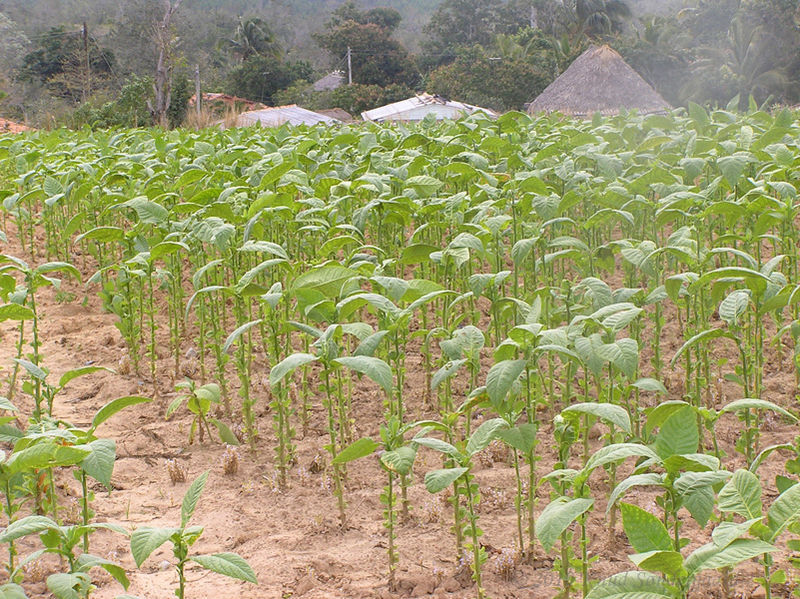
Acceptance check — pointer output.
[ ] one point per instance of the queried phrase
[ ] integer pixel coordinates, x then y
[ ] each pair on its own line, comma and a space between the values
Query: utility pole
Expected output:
349, 66
87, 87
197, 95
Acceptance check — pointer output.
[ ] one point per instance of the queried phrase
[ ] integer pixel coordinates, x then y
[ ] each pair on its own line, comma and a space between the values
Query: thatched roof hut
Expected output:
599, 80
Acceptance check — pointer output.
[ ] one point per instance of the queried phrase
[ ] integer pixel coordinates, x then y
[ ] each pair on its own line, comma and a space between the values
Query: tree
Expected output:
513, 71
166, 42
376, 58
259, 77
253, 37
465, 23
590, 18
59, 61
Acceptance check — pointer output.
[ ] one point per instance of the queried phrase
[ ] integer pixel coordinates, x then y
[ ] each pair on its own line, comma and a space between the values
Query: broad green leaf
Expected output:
69, 586
784, 510
631, 585
375, 368
225, 432
557, 516
667, 562
99, 464
611, 413
289, 365
44, 454
521, 437
644, 530
145, 540
328, 280
727, 532
649, 479
741, 495
192, 496
616, 452
712, 557
439, 480
114, 406
12, 591
227, 564
86, 561
26, 526
678, 434
501, 378
360, 449
438, 445
400, 460
485, 434
15, 312
648, 384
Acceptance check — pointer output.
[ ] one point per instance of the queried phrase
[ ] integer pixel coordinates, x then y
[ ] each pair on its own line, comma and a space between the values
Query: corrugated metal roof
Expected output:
387, 112
279, 115
329, 81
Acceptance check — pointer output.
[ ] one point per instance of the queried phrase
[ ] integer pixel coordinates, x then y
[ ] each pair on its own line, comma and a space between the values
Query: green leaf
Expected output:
400, 460
439, 480
15, 312
616, 452
521, 437
741, 495
328, 280
12, 591
287, 366
192, 496
102, 234
631, 585
645, 531
26, 526
360, 449
611, 413
485, 434
69, 586
712, 557
438, 445
649, 479
145, 540
557, 516
375, 368
757, 404
648, 384
86, 561
44, 454
424, 185
667, 562
114, 406
678, 434
225, 433
727, 532
32, 369
78, 372
227, 564
501, 378
99, 464
784, 510
233, 337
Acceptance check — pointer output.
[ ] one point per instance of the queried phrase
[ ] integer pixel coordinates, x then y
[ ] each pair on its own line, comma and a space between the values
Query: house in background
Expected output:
329, 82
420, 106
599, 81
280, 115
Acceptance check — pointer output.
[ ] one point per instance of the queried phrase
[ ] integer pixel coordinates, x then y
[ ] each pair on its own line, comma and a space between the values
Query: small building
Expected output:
280, 115
338, 113
329, 82
420, 106
599, 81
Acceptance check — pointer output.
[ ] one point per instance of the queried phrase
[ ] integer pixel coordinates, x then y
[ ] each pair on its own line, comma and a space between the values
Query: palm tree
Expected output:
591, 18
253, 37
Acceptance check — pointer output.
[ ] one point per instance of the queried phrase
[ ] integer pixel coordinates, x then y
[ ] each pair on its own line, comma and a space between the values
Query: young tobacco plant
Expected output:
145, 540
463, 482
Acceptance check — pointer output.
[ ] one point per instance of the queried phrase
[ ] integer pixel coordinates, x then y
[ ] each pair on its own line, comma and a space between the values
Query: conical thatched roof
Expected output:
599, 80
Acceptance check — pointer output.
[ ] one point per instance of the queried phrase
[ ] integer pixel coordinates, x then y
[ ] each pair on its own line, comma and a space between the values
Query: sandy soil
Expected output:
292, 538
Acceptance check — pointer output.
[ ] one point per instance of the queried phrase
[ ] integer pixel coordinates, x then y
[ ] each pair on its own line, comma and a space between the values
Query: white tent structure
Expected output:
280, 115
418, 107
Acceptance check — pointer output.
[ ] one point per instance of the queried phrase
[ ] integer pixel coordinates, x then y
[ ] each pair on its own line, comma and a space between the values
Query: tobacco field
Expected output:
512, 358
